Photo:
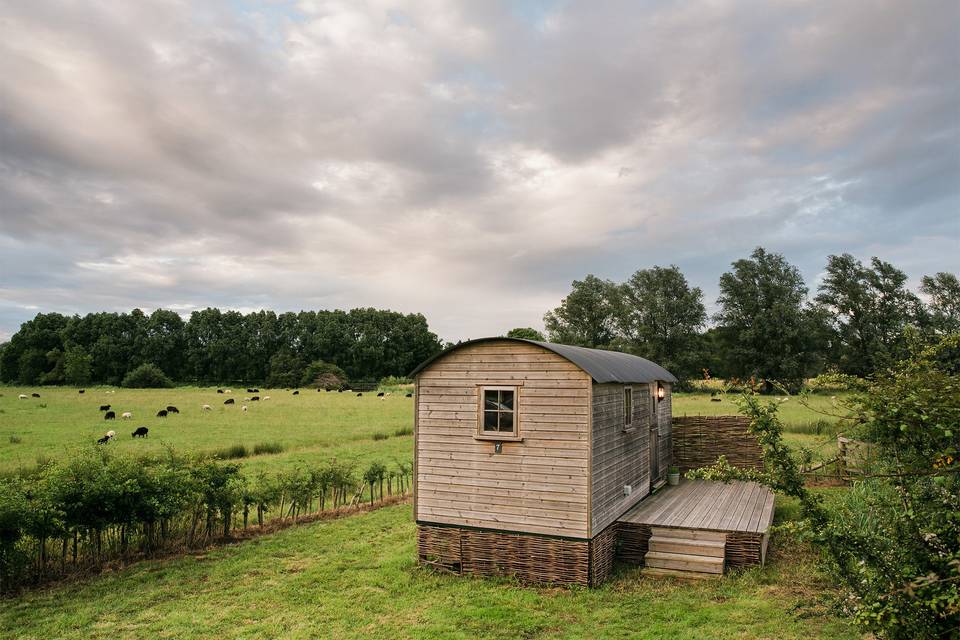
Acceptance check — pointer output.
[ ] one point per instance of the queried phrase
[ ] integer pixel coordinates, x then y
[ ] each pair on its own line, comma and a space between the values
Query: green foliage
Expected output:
77, 366
868, 309
323, 375
587, 316
147, 376
660, 318
263, 448
526, 333
403, 431
380, 436
944, 292
286, 370
233, 452
764, 324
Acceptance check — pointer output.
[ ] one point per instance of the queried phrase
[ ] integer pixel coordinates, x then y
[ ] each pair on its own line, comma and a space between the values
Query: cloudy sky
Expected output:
465, 160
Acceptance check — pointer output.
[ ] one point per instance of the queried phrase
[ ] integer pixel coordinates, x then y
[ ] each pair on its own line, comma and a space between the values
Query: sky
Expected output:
464, 160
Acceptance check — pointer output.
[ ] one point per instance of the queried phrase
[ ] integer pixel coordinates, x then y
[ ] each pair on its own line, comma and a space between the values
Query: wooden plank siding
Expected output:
538, 485
618, 457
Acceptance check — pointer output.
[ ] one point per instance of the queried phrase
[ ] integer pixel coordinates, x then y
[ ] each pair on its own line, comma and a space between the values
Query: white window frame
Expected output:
628, 411
503, 436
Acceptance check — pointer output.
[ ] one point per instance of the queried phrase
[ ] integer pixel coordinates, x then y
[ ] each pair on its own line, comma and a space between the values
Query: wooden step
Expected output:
688, 534
683, 562
673, 573
712, 548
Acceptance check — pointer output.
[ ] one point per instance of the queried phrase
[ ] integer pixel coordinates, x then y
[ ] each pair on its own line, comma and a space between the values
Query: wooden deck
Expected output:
740, 507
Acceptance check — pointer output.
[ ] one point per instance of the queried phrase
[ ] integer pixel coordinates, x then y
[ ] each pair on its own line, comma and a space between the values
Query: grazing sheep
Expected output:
219, 390
104, 407
141, 432
249, 390
126, 415
254, 398
172, 409
228, 401
409, 395
339, 390
110, 415
256, 390
359, 394
228, 390
162, 413
265, 398
81, 390
206, 407
380, 395
35, 395
111, 433
296, 392
243, 408
383, 399
103, 440
23, 396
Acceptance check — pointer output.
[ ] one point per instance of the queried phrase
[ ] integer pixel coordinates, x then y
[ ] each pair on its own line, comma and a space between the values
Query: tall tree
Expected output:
765, 326
587, 317
527, 333
660, 318
870, 307
944, 292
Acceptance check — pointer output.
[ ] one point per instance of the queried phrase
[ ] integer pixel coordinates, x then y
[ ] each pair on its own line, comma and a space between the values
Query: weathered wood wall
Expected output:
618, 457
699, 440
539, 485
665, 431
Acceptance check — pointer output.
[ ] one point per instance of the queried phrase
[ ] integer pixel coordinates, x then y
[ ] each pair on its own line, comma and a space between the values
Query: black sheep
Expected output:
254, 398
110, 415
296, 393
103, 440
141, 432
228, 401
380, 395
81, 390
172, 409
35, 395
249, 390
359, 394
104, 407
219, 390
409, 395
162, 413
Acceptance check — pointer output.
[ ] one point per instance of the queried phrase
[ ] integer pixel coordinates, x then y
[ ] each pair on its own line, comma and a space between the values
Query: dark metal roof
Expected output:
603, 366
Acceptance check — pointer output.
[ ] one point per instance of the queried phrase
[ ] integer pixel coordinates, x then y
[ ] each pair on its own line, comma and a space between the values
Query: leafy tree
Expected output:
286, 370
660, 318
869, 308
77, 366
147, 376
526, 333
587, 317
55, 364
944, 292
765, 327
323, 375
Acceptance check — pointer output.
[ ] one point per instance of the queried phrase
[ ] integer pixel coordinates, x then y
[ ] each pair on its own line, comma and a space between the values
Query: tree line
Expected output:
215, 346
768, 326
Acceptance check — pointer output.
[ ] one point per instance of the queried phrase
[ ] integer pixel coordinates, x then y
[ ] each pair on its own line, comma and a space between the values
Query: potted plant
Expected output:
673, 476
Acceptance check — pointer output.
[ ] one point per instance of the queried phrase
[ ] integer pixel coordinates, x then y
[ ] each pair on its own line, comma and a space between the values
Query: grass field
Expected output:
312, 427
357, 578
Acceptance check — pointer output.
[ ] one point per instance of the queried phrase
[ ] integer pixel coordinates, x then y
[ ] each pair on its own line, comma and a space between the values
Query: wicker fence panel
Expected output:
439, 547
699, 440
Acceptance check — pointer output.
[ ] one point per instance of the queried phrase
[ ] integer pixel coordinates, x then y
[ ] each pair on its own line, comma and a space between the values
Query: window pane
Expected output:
506, 400
490, 400
489, 420
506, 421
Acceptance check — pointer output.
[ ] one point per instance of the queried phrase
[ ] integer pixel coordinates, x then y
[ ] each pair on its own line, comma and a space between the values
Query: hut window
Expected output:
627, 408
499, 415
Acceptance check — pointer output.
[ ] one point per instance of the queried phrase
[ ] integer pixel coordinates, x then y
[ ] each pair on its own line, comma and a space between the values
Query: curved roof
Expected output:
603, 366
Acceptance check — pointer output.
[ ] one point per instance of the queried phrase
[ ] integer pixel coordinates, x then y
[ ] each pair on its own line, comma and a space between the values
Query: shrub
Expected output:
403, 431
147, 376
286, 370
395, 381
323, 375
262, 448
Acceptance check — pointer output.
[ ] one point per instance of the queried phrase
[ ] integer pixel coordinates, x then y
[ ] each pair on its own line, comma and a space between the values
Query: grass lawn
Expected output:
357, 578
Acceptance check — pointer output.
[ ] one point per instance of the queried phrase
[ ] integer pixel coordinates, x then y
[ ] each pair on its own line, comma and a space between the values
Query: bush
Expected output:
286, 370
395, 381
262, 448
323, 375
147, 376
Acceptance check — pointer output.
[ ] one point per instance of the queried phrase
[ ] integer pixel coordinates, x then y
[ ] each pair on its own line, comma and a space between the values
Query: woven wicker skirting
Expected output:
634, 539
699, 440
528, 557
744, 549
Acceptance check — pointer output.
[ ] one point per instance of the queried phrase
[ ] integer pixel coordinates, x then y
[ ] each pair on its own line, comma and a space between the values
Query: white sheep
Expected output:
265, 398
23, 396
243, 408
126, 415
227, 391
206, 407
111, 433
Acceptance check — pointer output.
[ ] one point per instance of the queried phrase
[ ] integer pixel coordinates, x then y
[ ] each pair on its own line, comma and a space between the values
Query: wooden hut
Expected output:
527, 453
